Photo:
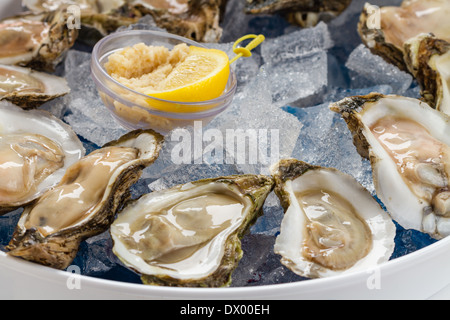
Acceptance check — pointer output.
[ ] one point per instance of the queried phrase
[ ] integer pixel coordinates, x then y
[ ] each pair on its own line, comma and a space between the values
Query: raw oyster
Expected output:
190, 235
408, 144
36, 149
399, 24
332, 225
92, 6
428, 59
38, 41
28, 88
194, 19
85, 201
305, 13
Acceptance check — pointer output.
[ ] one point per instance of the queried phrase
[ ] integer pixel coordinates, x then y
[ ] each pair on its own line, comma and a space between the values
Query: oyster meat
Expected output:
86, 6
28, 88
305, 13
190, 235
35, 150
85, 201
194, 19
399, 24
428, 59
331, 225
408, 144
38, 41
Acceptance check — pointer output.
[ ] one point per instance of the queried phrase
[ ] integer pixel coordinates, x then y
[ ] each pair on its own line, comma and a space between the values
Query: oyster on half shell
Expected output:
399, 24
305, 13
331, 225
28, 88
428, 59
85, 201
190, 235
408, 144
35, 151
38, 41
194, 19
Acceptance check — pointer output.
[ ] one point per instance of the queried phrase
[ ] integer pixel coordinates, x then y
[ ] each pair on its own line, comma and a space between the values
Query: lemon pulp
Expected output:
185, 74
202, 76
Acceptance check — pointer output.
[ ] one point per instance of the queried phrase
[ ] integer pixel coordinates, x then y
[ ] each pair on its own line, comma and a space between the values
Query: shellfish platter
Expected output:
345, 163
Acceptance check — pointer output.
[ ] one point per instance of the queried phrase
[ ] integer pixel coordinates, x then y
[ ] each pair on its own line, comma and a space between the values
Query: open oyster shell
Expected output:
85, 201
399, 24
428, 59
305, 13
194, 19
408, 144
331, 225
38, 41
28, 88
190, 235
35, 150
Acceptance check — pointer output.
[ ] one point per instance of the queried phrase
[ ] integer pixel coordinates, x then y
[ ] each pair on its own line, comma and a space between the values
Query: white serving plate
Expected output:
420, 275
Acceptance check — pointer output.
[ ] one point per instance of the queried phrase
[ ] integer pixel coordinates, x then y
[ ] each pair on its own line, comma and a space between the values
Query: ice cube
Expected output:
367, 69
298, 78
297, 44
269, 223
95, 255
192, 172
260, 265
85, 111
297, 64
256, 132
8, 224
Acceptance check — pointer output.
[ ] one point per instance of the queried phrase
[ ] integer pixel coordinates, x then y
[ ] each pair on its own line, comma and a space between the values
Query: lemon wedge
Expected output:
202, 76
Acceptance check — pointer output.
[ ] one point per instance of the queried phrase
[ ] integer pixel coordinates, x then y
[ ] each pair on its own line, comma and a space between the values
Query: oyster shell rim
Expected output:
30, 100
60, 248
9, 107
221, 276
49, 53
419, 51
285, 172
353, 108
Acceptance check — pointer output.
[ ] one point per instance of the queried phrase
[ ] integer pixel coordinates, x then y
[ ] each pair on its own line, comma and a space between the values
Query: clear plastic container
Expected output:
135, 110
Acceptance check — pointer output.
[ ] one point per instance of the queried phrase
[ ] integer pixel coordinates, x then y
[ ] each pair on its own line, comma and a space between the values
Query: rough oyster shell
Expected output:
85, 201
38, 41
302, 12
408, 144
93, 6
28, 88
399, 24
15, 122
428, 59
332, 225
190, 234
197, 20
194, 19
